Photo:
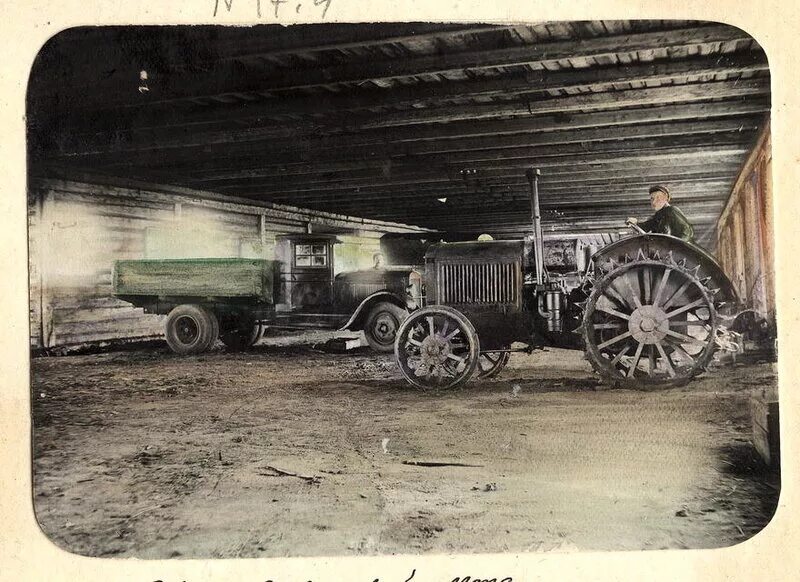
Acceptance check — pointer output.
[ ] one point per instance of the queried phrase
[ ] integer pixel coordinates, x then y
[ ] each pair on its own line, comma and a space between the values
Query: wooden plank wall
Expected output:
77, 230
745, 235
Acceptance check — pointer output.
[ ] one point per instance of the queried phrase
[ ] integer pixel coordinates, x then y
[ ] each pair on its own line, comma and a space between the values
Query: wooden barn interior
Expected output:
367, 130
209, 141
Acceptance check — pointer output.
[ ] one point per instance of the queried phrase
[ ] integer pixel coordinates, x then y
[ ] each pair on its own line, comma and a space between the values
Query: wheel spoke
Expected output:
667, 361
685, 338
618, 357
445, 327
652, 360
634, 294
452, 334
686, 307
607, 325
685, 353
647, 284
636, 357
677, 294
614, 313
661, 286
455, 358
614, 296
431, 330
614, 340
414, 342
699, 323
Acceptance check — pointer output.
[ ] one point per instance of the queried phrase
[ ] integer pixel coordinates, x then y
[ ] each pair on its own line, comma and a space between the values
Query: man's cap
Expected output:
661, 188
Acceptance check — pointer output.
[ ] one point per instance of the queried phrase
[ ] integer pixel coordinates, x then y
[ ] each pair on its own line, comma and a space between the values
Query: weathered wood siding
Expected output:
745, 236
77, 230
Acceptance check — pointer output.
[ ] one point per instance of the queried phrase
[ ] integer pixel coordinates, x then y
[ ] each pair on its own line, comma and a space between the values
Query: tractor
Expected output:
648, 310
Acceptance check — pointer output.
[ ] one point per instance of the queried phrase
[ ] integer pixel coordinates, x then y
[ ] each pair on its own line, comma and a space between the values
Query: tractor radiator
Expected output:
476, 283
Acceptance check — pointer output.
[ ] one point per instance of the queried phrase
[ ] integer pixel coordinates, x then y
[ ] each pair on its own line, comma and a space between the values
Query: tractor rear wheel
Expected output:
437, 348
191, 329
650, 323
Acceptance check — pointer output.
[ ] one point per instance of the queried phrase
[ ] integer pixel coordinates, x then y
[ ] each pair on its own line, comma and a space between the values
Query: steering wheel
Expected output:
636, 227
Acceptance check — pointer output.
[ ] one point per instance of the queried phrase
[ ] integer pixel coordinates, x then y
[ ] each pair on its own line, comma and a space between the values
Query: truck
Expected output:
235, 299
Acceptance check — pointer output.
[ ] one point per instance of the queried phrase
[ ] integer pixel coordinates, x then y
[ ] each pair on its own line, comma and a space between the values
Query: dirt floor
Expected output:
290, 451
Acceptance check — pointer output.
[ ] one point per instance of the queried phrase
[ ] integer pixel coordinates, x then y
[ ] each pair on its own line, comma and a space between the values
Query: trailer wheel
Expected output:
437, 348
490, 364
237, 339
382, 324
191, 329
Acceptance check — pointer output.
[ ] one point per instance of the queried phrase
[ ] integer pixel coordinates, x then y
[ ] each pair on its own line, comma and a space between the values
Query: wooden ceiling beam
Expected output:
179, 86
200, 167
477, 158
569, 195
427, 93
643, 172
410, 175
570, 104
242, 143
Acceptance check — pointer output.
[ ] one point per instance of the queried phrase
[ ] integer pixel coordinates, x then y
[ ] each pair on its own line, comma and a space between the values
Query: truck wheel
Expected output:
240, 339
382, 324
437, 348
191, 329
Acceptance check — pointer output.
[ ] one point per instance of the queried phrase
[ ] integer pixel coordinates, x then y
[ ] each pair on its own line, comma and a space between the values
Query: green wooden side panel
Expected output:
195, 277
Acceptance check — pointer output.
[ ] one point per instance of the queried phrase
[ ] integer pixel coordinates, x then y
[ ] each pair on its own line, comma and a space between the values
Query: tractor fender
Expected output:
664, 244
356, 320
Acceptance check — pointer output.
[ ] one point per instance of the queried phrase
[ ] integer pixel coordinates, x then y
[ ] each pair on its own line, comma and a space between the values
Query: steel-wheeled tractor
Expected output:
649, 310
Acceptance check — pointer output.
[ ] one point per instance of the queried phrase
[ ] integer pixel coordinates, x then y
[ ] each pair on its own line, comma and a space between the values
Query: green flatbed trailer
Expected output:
204, 299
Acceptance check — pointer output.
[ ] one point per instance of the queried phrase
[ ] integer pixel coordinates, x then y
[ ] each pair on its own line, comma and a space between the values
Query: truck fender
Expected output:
357, 319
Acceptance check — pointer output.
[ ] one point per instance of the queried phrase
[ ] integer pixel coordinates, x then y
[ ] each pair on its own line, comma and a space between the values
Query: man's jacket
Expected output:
669, 220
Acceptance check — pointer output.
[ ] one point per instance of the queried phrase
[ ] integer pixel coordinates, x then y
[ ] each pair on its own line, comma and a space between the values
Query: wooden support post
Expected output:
262, 234
46, 226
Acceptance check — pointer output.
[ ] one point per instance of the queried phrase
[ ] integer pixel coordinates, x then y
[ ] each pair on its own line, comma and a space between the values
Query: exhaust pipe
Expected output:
538, 244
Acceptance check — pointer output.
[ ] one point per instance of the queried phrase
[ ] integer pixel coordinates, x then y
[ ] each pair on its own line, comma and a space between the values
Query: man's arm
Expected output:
647, 225
679, 226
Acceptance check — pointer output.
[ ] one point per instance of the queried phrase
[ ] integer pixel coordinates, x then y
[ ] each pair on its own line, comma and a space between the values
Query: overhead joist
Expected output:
555, 113
572, 196
474, 159
306, 41
425, 94
485, 217
655, 172
202, 167
350, 158
410, 175
612, 99
179, 86
589, 185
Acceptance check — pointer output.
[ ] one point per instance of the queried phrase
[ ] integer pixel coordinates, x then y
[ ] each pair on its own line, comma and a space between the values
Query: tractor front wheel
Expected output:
437, 348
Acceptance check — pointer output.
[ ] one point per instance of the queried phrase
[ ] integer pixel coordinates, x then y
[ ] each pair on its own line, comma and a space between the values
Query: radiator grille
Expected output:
478, 283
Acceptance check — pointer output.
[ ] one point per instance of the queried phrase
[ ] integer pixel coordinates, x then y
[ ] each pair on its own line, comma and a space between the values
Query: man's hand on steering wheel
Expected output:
634, 224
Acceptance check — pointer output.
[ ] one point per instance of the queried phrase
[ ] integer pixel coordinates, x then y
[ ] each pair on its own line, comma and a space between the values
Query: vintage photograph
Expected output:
401, 288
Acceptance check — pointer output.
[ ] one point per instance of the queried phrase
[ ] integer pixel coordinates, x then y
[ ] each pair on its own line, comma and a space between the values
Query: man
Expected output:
378, 261
667, 218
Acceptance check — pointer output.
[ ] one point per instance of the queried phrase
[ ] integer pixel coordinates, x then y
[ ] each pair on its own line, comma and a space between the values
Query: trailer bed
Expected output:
240, 278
